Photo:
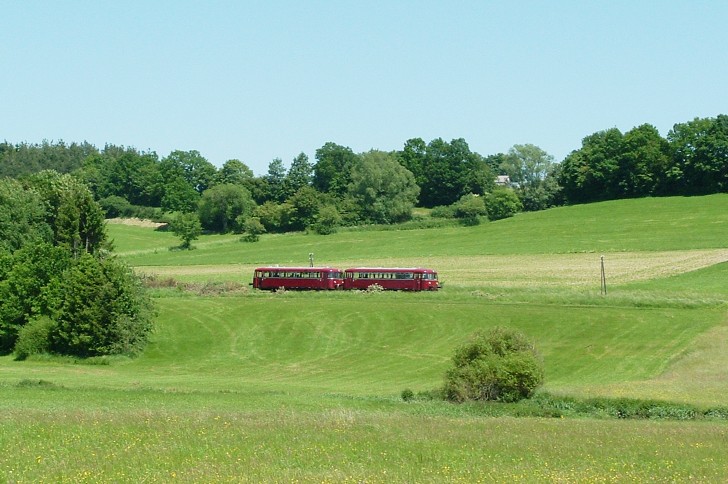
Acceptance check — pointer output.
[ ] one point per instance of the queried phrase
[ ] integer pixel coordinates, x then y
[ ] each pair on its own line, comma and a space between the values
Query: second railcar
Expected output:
402, 279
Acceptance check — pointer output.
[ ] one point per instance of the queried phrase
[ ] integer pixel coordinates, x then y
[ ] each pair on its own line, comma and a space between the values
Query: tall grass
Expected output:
348, 445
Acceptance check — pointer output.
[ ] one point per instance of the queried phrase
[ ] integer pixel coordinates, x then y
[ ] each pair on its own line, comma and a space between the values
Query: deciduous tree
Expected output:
22, 216
700, 150
187, 227
222, 204
75, 217
383, 189
191, 166
332, 171
299, 175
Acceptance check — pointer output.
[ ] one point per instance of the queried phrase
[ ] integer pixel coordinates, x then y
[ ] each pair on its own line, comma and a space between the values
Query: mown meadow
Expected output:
240, 385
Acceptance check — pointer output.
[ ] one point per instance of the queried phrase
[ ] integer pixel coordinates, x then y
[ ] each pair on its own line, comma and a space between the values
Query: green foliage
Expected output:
611, 165
125, 172
275, 179
443, 211
22, 216
624, 408
383, 190
526, 165
187, 227
542, 195
445, 171
531, 172
116, 206
180, 196
21, 159
222, 204
327, 220
275, 217
235, 172
299, 175
332, 171
469, 209
700, 150
102, 310
76, 218
24, 288
502, 203
500, 365
305, 204
252, 228
191, 166
33, 338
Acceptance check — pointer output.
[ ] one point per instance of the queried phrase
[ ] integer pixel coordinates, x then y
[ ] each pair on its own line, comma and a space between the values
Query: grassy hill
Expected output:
305, 386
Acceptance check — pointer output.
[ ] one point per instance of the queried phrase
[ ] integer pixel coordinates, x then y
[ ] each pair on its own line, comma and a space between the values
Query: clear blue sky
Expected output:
270, 79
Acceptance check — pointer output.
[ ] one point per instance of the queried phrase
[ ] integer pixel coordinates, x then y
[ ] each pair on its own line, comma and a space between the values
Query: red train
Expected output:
397, 278
329, 278
298, 278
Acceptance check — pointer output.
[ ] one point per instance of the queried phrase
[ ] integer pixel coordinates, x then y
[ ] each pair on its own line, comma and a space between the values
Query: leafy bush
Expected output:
275, 217
33, 337
251, 227
500, 365
443, 211
150, 213
116, 206
469, 209
327, 220
502, 203
187, 227
24, 294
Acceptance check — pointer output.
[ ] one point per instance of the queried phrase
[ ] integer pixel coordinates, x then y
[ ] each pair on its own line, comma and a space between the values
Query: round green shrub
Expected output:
500, 365
33, 337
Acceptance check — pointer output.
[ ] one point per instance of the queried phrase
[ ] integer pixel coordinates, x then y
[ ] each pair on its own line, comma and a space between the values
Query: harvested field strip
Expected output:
572, 270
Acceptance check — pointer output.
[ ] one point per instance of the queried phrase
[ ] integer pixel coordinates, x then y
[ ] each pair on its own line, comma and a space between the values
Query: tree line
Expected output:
692, 160
340, 187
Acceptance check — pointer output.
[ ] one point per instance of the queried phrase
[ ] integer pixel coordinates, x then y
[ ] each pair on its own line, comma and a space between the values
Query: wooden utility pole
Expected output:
604, 279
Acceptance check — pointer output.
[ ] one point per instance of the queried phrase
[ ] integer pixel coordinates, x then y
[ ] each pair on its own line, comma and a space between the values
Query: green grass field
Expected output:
286, 387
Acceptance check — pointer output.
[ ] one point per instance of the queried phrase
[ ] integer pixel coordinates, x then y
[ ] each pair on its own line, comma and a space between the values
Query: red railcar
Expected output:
320, 278
397, 278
